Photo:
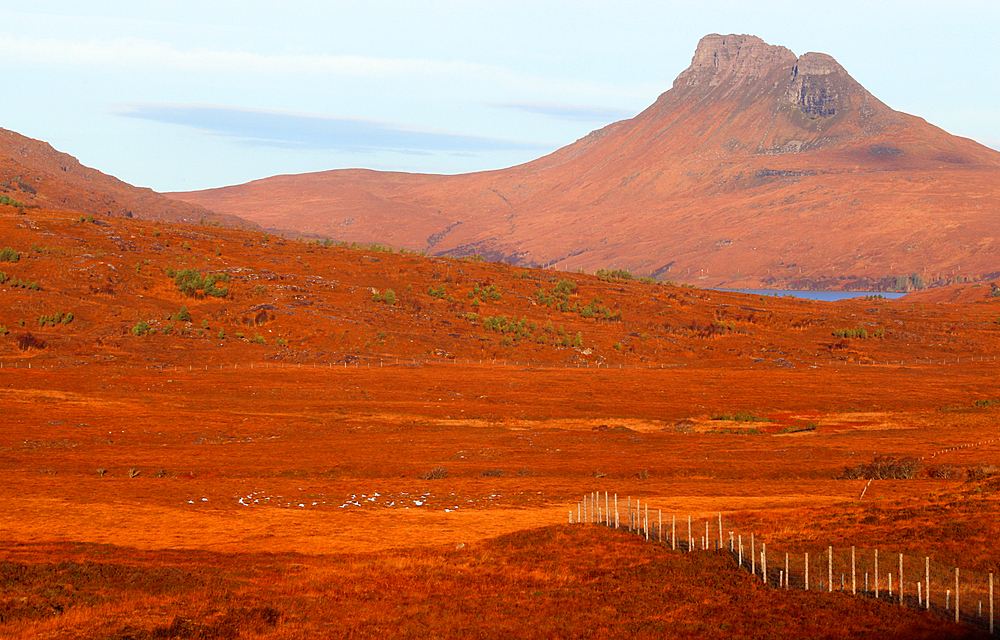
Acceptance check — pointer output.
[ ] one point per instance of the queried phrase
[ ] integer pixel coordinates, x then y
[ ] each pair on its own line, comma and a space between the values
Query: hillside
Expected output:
34, 174
757, 168
215, 432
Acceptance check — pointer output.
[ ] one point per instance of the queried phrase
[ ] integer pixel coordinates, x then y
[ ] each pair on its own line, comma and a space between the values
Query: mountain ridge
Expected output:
757, 168
35, 174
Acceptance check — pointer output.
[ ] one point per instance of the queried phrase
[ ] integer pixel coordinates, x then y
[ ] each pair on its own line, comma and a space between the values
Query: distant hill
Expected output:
758, 168
35, 174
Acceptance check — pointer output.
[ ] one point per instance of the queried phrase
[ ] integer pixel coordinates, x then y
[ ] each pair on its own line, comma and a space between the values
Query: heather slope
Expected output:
756, 168
36, 175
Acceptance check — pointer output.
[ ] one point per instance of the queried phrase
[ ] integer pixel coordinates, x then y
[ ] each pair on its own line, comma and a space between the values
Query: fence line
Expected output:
905, 580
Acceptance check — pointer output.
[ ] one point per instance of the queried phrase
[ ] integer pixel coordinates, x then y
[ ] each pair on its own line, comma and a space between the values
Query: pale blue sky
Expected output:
191, 95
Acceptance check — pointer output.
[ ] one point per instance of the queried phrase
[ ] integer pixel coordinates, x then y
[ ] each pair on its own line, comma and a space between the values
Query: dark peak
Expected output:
737, 57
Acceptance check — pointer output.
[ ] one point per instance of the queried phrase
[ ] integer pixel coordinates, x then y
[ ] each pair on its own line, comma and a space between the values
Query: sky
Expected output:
186, 95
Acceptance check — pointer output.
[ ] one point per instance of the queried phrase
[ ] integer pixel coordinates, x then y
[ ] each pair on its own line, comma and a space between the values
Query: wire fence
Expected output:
906, 580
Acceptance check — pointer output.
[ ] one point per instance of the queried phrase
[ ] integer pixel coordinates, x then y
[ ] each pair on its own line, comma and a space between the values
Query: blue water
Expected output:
828, 296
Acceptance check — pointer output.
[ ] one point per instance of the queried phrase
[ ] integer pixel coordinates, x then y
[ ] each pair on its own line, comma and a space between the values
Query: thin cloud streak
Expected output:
287, 129
577, 112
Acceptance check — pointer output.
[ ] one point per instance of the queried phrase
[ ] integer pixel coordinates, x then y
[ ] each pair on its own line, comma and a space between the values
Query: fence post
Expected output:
706, 535
731, 548
607, 509
956, 595
646, 522
571, 516
690, 539
854, 577
829, 569
720, 531
753, 556
927, 582
616, 511
673, 531
786, 570
901, 580
763, 562
741, 550
659, 528
991, 603
807, 572
630, 513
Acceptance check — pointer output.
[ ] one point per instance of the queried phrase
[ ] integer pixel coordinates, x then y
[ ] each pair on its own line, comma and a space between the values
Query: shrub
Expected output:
492, 473
436, 473
141, 328
191, 283
981, 471
4, 330
942, 471
883, 468
741, 416
28, 341
182, 315
9, 255
614, 274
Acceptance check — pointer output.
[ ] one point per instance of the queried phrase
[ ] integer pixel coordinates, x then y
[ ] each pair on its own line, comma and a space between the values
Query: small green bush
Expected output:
182, 315
9, 255
141, 328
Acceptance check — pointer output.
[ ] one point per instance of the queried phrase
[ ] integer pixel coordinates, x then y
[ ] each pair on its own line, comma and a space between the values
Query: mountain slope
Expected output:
756, 168
35, 174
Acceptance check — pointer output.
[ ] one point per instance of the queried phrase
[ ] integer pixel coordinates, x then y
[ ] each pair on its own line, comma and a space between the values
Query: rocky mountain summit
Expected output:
757, 168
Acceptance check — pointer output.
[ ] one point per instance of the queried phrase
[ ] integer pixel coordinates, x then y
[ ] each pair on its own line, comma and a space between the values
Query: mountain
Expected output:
34, 174
757, 168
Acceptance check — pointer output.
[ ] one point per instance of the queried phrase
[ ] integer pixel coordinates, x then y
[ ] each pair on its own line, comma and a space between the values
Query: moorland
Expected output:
214, 432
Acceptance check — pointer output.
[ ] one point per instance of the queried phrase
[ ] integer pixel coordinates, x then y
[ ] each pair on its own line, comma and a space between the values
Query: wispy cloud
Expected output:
291, 129
147, 54
581, 112
150, 56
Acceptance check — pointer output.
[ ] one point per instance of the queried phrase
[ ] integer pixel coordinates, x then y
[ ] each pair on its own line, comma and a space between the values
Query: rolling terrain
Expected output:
758, 168
214, 432
33, 174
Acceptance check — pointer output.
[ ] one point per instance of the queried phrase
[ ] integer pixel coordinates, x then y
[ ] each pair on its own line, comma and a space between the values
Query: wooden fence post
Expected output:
753, 556
690, 539
807, 572
957, 609
659, 528
786, 570
991, 603
731, 548
829, 568
616, 511
646, 522
741, 550
763, 562
927, 582
673, 531
720, 531
854, 577
607, 509
901, 580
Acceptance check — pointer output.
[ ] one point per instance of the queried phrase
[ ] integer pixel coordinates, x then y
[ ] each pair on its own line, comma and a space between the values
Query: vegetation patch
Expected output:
191, 283
883, 468
741, 416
